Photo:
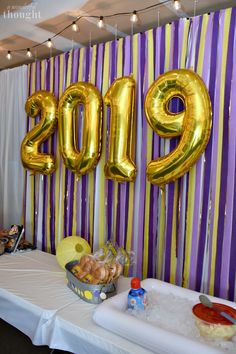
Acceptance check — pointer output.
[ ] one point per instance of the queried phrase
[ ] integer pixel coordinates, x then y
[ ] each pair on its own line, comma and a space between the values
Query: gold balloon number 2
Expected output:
32, 158
193, 125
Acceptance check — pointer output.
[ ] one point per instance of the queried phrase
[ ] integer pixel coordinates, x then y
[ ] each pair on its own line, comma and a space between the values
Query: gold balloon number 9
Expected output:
32, 158
193, 125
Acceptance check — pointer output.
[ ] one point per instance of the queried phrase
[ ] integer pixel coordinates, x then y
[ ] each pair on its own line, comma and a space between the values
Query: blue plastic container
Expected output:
137, 296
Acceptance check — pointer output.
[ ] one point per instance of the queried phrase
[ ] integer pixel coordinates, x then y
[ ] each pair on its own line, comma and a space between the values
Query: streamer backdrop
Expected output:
187, 234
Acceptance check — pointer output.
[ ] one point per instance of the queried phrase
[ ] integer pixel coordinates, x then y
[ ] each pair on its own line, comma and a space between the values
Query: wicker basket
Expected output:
94, 294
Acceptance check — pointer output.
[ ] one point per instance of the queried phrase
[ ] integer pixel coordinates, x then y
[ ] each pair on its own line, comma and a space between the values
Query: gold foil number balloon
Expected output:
32, 158
88, 95
121, 99
193, 124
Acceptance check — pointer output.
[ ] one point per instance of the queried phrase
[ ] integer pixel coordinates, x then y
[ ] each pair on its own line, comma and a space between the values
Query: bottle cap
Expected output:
135, 283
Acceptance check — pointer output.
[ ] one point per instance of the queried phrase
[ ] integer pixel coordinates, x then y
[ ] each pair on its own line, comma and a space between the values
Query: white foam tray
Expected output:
112, 315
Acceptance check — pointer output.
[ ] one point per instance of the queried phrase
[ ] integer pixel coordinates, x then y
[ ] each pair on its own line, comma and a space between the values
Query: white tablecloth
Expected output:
35, 299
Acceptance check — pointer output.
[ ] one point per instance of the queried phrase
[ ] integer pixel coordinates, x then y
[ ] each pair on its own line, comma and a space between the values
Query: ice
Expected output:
173, 313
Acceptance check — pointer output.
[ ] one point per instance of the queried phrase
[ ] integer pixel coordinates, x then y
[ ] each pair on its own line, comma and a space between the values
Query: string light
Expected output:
75, 27
177, 4
9, 56
195, 8
134, 17
49, 43
29, 54
100, 22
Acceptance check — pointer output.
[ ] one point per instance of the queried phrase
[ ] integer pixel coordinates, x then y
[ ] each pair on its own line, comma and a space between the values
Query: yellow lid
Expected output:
71, 248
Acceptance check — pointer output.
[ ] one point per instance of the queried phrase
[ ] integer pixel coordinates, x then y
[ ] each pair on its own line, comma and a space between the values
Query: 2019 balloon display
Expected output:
193, 124
32, 159
88, 95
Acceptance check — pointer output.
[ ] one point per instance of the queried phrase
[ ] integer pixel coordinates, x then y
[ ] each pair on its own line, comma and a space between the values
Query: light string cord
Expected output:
78, 18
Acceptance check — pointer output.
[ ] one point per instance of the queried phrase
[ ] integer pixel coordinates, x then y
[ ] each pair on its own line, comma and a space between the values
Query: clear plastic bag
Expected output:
104, 266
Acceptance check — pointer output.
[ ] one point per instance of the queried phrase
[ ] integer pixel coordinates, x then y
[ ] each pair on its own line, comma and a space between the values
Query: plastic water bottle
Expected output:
137, 297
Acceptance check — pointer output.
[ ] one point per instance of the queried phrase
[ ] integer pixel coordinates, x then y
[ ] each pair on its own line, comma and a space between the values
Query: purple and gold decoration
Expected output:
186, 233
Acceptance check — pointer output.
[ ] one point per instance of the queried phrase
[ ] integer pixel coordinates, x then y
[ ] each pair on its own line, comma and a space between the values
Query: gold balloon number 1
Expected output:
121, 99
193, 125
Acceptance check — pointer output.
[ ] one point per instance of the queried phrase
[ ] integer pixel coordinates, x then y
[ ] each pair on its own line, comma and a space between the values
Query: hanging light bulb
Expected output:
49, 43
75, 27
29, 54
9, 56
134, 17
100, 22
177, 4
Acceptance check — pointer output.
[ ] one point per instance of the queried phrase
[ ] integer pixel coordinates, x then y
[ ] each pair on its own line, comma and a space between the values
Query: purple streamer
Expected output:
74, 72
232, 269
199, 19
208, 156
127, 55
162, 52
109, 183
232, 266
181, 231
75, 65
215, 132
141, 204
51, 210
176, 46
45, 196
78, 183
27, 172
36, 177
84, 178
53, 176
126, 213
137, 182
156, 152
154, 189
168, 231
65, 72
229, 133
123, 215
199, 166
99, 74
171, 186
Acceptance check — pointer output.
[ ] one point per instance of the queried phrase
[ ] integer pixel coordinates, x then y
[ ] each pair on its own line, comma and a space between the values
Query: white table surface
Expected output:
35, 299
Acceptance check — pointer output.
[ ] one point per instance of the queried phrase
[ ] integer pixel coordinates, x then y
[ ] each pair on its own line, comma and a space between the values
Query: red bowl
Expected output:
208, 315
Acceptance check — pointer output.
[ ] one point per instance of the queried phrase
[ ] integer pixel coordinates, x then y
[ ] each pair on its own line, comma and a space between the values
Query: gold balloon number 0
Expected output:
87, 95
193, 125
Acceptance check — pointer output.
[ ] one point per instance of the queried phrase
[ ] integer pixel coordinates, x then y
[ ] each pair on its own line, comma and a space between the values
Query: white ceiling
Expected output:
24, 24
